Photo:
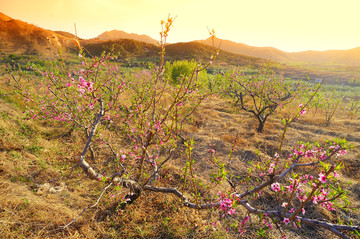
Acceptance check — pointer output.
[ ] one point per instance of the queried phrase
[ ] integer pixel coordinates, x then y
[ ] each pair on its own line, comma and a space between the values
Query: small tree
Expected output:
352, 107
261, 94
329, 103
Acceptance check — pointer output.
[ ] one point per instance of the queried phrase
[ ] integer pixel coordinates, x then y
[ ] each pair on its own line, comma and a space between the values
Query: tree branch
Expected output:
330, 226
180, 195
94, 205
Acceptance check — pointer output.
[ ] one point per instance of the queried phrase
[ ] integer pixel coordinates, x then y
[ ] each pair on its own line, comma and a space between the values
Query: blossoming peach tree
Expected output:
137, 117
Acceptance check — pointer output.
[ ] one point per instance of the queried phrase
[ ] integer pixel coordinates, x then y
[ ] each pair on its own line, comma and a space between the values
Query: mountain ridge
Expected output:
117, 34
19, 37
347, 57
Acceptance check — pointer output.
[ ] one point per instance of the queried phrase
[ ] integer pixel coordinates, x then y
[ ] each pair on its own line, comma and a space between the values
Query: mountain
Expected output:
269, 53
202, 53
122, 48
116, 34
346, 57
125, 48
4, 17
67, 34
18, 37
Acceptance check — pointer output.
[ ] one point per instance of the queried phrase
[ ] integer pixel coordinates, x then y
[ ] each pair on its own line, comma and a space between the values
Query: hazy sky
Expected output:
285, 24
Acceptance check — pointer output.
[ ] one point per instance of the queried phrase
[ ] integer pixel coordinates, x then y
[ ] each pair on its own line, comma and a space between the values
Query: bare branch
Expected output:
94, 205
180, 195
158, 168
89, 171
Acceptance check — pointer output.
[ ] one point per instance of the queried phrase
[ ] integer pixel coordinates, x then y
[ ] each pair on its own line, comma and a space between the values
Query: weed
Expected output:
42, 164
4, 115
26, 130
35, 149
15, 154
2, 131
21, 179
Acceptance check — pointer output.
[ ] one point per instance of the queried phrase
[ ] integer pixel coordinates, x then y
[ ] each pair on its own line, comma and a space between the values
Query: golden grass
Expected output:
32, 154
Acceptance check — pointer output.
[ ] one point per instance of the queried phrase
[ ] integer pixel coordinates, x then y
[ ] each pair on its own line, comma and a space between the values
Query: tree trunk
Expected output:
260, 128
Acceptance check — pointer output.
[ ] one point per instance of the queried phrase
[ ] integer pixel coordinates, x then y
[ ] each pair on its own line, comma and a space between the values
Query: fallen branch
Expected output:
94, 205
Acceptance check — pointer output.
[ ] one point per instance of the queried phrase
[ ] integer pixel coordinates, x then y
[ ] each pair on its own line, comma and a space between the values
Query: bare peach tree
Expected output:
261, 94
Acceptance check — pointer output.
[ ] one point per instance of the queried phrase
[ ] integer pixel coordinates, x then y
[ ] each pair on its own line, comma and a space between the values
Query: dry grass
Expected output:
32, 154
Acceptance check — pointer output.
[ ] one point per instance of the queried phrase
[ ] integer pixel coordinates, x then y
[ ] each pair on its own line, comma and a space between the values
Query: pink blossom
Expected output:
275, 187
82, 91
302, 112
82, 81
322, 177
336, 175
271, 168
290, 188
231, 211
315, 198
303, 211
286, 221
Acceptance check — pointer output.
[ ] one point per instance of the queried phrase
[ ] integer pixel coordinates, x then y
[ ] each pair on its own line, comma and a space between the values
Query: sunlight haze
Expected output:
284, 24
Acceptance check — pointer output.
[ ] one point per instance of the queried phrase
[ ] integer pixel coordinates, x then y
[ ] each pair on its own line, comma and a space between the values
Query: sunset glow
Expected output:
284, 24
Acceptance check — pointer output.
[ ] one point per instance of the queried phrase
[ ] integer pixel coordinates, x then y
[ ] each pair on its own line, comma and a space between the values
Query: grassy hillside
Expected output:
41, 189
18, 37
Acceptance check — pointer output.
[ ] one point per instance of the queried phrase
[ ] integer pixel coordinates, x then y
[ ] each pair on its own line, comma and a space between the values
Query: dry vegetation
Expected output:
39, 192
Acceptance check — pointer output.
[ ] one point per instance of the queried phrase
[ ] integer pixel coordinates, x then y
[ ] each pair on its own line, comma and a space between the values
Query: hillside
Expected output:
67, 34
122, 48
202, 53
18, 37
125, 48
346, 57
269, 53
39, 194
116, 34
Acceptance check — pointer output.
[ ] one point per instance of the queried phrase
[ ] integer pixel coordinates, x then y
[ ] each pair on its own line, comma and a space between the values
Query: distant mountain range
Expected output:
116, 34
348, 57
20, 38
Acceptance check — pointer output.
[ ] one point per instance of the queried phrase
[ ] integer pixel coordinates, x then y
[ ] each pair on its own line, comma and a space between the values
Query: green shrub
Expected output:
174, 71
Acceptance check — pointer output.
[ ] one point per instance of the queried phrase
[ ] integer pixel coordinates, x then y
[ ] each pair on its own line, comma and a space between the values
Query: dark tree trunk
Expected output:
260, 128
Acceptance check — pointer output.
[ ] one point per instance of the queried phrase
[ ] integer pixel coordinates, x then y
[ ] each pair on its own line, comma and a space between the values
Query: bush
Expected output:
174, 71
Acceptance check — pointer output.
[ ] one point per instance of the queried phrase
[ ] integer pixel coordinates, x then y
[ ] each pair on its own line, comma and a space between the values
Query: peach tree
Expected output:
261, 94
137, 117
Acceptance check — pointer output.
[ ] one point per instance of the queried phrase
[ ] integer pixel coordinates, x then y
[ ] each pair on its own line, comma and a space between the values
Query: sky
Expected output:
288, 25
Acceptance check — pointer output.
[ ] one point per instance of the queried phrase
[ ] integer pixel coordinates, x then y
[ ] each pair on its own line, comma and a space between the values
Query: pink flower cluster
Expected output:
226, 203
84, 85
276, 187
